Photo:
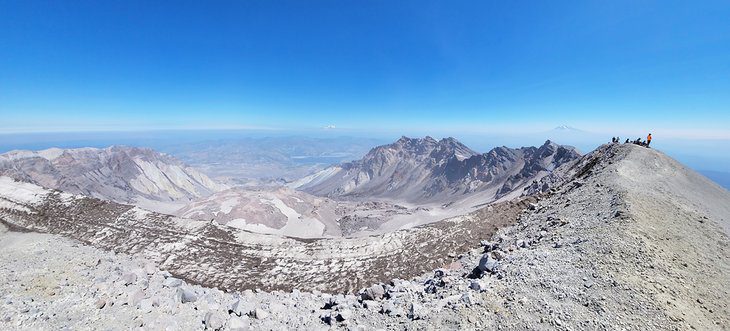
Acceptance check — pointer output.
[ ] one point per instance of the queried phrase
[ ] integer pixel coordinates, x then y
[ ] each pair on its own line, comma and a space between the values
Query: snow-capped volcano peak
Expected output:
565, 128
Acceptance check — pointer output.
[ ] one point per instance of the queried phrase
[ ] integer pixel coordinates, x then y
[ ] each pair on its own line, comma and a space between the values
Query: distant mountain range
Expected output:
426, 170
132, 175
403, 184
566, 128
623, 237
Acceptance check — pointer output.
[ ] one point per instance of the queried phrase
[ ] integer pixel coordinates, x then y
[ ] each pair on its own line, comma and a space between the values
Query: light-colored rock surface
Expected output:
424, 170
122, 174
234, 259
405, 184
288, 212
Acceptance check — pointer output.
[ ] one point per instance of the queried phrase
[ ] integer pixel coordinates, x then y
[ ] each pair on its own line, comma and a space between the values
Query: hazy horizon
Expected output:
487, 73
710, 157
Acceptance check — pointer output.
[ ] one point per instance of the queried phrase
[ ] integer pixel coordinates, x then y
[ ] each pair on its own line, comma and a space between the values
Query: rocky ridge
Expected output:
426, 170
121, 174
230, 258
637, 242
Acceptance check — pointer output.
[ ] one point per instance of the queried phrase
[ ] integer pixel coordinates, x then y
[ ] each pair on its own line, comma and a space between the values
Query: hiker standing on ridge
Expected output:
648, 140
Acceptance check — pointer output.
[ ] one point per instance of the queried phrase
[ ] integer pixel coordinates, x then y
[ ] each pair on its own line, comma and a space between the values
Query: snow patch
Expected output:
51, 153
21, 192
227, 205
315, 179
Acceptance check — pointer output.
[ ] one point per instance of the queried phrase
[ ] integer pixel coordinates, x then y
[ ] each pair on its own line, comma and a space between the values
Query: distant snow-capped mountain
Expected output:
426, 170
122, 174
566, 128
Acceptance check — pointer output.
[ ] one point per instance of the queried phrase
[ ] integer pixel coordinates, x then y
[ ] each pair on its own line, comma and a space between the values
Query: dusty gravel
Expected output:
626, 239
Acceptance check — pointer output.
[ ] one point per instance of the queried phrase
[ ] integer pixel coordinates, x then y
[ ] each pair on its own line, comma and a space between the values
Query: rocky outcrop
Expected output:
121, 174
288, 212
426, 170
230, 258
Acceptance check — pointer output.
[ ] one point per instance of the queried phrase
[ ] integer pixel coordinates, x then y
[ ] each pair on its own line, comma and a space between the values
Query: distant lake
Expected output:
324, 159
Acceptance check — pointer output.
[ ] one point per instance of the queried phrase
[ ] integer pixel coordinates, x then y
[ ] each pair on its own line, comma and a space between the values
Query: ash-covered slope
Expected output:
232, 258
288, 212
133, 175
275, 211
625, 239
426, 170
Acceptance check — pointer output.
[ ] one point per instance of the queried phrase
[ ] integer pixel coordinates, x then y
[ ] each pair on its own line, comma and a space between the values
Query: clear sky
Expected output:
458, 66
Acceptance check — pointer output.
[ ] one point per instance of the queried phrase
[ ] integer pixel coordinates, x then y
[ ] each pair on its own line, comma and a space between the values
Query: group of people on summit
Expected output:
638, 141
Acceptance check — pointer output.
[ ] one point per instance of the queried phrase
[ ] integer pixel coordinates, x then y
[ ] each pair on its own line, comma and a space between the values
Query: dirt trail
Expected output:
684, 221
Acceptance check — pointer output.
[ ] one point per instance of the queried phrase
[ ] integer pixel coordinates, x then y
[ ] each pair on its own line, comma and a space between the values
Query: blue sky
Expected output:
441, 67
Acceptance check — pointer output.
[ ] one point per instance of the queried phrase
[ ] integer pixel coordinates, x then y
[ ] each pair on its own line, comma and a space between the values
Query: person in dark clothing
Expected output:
627, 141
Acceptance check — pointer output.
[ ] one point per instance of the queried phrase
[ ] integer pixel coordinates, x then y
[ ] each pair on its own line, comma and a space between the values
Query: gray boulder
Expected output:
239, 324
172, 282
242, 308
371, 305
146, 305
375, 292
134, 296
326, 317
499, 255
488, 264
416, 311
477, 285
215, 320
129, 278
468, 299
150, 269
185, 295
261, 314
391, 309
344, 315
